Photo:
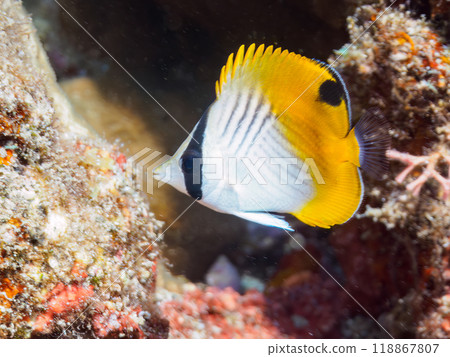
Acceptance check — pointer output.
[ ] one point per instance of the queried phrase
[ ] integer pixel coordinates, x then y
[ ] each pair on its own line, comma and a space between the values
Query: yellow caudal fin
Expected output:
336, 201
292, 83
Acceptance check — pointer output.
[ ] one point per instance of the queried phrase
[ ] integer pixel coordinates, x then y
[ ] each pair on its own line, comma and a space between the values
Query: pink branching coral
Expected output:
430, 170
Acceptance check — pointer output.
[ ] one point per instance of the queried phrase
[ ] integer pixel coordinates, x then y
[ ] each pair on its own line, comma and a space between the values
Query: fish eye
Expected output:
187, 161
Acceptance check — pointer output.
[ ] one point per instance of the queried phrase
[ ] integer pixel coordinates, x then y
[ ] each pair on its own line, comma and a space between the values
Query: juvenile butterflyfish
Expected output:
279, 139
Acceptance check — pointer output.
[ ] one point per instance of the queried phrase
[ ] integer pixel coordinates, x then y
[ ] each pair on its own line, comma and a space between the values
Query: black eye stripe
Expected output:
193, 177
190, 161
187, 164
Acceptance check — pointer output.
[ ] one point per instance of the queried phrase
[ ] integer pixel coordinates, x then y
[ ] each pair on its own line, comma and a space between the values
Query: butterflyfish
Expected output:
279, 139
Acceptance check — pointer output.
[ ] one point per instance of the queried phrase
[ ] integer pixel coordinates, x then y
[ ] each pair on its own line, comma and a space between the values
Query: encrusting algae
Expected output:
402, 66
77, 246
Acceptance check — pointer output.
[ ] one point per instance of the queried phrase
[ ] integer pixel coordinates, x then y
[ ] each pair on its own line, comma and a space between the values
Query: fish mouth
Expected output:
158, 172
161, 171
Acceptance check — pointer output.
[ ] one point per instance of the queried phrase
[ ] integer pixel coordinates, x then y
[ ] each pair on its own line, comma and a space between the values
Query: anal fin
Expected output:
266, 219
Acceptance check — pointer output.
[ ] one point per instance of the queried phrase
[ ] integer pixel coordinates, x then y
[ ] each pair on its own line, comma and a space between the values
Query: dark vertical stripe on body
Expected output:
236, 105
276, 146
241, 119
252, 122
265, 121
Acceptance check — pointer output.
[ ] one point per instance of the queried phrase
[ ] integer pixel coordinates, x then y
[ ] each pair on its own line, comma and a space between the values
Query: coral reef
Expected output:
430, 171
77, 252
215, 313
116, 123
437, 323
393, 255
59, 303
77, 241
311, 306
300, 301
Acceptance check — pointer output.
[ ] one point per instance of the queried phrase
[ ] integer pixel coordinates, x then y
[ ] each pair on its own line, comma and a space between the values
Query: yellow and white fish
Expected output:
279, 138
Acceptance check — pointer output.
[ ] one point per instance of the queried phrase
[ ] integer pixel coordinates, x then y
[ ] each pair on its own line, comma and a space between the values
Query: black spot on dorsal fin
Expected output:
331, 92
340, 87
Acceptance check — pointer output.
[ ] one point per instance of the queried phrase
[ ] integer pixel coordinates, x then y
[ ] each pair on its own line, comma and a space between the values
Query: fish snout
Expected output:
159, 171
163, 171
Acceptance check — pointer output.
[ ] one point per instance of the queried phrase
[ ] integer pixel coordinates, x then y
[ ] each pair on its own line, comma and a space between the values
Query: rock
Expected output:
215, 313
77, 241
223, 274
393, 253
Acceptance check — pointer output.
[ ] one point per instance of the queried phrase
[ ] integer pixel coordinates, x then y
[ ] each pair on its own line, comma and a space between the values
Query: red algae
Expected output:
215, 313
313, 308
62, 301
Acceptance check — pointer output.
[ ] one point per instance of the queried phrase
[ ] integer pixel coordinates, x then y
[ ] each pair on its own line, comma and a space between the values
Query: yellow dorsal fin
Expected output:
249, 54
243, 60
238, 61
291, 83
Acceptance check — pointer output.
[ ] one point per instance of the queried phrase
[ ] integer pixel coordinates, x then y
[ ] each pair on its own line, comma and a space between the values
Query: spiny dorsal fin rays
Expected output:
217, 88
250, 52
243, 58
232, 68
229, 70
238, 61
277, 52
221, 80
229, 66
